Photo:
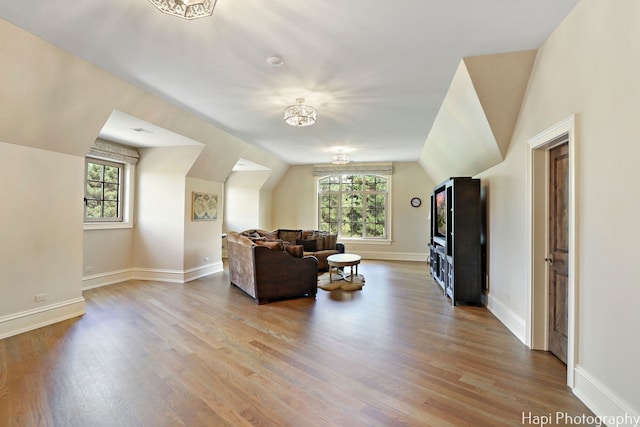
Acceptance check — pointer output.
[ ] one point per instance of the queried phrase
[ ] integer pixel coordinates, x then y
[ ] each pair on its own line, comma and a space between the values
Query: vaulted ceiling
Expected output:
377, 71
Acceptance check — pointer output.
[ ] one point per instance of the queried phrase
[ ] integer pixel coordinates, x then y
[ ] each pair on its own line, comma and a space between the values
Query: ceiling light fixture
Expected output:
299, 114
187, 9
275, 60
340, 159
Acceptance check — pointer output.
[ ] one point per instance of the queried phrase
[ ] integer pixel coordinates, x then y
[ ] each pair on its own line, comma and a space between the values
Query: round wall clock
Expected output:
416, 202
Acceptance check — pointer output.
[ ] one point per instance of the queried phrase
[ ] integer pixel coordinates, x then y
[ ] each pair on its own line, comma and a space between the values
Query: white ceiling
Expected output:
127, 129
377, 71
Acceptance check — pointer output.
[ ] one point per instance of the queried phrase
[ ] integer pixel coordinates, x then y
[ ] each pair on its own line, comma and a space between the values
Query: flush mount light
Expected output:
187, 9
340, 159
299, 114
141, 130
275, 61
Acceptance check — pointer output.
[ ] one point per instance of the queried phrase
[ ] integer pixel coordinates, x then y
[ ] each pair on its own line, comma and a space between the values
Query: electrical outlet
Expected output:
206, 259
41, 297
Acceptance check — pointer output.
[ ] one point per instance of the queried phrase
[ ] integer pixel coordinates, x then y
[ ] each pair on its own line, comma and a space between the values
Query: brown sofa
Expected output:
315, 243
268, 272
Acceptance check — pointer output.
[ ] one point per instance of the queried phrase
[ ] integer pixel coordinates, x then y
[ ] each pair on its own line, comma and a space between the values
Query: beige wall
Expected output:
245, 206
40, 236
295, 206
294, 202
160, 207
53, 106
202, 239
106, 251
589, 67
165, 243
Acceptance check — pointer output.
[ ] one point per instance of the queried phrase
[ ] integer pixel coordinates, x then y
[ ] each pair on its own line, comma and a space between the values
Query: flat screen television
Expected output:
440, 229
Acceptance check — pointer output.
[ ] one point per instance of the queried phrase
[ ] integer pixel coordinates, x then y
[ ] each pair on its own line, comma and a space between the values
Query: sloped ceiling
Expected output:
377, 71
472, 131
55, 101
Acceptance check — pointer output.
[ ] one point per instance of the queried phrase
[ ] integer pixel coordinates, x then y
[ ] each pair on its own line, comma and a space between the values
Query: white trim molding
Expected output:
152, 274
202, 271
603, 402
537, 283
29, 320
516, 324
104, 279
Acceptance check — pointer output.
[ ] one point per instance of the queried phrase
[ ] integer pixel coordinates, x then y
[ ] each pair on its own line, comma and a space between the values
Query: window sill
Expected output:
106, 225
357, 241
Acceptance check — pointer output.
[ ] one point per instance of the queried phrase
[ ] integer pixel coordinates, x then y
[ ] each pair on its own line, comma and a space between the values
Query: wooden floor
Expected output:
204, 354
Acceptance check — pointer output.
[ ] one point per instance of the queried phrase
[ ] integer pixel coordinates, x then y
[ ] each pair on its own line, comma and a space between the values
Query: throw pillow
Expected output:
330, 241
307, 234
274, 245
289, 235
270, 235
295, 250
308, 245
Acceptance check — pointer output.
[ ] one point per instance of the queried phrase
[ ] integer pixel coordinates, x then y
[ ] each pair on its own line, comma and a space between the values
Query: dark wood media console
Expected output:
454, 247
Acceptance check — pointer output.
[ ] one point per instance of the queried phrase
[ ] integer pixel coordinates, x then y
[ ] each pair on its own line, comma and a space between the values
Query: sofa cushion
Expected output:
290, 236
309, 245
271, 244
330, 241
320, 243
322, 256
295, 250
242, 240
308, 234
270, 235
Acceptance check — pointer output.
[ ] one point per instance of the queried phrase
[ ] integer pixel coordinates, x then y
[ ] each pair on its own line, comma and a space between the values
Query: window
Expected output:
103, 194
354, 205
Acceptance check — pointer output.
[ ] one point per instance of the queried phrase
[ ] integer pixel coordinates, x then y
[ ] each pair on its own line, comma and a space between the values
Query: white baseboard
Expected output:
29, 320
394, 256
104, 279
159, 275
511, 320
205, 270
611, 408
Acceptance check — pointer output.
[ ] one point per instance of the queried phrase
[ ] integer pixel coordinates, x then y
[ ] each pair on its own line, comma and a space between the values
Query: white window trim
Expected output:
366, 240
127, 201
361, 240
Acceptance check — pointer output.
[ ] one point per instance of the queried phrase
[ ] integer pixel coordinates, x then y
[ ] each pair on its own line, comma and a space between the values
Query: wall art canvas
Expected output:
205, 206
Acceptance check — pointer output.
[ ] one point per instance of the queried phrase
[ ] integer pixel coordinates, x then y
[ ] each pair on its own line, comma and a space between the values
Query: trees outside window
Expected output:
353, 205
103, 190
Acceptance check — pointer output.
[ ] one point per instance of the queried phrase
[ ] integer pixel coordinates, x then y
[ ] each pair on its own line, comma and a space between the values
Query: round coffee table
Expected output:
343, 260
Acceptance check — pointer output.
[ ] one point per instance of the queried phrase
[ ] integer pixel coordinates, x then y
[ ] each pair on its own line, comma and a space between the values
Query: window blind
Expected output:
111, 151
355, 168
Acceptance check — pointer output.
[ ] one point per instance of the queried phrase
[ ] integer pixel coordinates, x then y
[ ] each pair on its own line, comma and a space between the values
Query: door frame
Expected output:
537, 317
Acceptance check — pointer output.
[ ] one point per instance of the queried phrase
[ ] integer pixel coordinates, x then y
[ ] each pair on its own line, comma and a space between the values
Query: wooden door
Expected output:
558, 250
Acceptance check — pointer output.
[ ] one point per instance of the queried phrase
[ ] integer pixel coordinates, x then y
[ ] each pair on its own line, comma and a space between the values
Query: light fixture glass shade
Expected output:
340, 159
187, 9
299, 114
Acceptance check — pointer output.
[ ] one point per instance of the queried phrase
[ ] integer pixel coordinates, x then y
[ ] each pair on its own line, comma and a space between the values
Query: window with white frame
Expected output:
354, 205
108, 192
103, 194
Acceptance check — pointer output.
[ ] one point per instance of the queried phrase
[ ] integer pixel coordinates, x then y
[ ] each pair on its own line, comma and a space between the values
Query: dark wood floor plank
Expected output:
204, 354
